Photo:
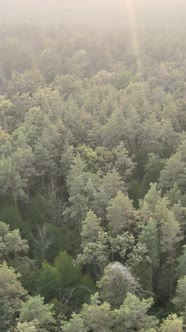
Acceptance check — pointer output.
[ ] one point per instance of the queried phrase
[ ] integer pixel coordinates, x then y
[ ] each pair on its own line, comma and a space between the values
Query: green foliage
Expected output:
121, 244
181, 267
6, 114
29, 81
133, 314
180, 298
63, 281
91, 228
11, 294
152, 169
110, 184
150, 263
116, 282
75, 324
81, 186
46, 282
94, 243
96, 317
120, 214
12, 216
35, 309
28, 327
169, 175
149, 237
12, 245
93, 173
122, 80
171, 324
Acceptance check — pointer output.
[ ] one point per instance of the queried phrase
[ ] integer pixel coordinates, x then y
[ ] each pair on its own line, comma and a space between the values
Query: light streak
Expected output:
131, 16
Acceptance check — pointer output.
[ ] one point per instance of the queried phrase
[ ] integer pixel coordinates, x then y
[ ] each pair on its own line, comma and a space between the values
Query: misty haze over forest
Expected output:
92, 165
83, 10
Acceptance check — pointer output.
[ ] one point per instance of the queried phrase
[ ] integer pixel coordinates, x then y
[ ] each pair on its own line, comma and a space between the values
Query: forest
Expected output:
93, 176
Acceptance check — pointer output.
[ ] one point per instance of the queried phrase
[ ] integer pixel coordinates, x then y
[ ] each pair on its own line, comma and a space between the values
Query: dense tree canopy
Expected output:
93, 177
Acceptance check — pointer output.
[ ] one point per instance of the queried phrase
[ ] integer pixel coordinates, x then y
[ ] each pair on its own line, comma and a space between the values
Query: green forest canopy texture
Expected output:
93, 174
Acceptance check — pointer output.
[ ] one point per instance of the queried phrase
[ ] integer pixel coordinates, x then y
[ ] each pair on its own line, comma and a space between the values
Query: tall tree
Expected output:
12, 294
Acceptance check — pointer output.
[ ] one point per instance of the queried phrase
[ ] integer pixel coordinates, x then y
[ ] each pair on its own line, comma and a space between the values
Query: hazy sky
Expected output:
34, 9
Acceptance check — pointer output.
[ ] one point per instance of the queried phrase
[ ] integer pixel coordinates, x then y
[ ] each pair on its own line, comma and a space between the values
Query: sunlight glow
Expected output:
133, 29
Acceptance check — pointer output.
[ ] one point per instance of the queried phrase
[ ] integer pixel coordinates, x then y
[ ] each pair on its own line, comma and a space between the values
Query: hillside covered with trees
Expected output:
93, 176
